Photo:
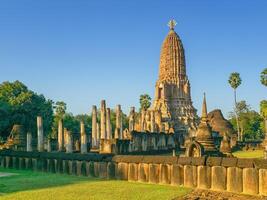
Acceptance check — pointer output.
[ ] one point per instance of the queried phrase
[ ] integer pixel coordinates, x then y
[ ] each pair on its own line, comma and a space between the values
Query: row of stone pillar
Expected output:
64, 138
99, 131
103, 131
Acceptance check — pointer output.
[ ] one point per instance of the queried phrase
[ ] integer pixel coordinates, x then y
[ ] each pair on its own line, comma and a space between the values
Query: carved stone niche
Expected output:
194, 149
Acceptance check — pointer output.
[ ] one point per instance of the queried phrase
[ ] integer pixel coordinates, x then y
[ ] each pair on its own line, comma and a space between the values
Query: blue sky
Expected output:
84, 51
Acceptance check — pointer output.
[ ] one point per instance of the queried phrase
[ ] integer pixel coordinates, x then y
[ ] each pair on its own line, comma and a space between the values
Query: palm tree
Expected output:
264, 77
145, 101
235, 81
263, 104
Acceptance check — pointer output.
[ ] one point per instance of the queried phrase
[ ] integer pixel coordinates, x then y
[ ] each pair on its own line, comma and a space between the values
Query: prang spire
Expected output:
204, 108
172, 23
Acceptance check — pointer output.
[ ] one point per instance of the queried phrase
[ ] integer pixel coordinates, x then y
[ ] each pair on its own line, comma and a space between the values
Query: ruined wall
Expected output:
248, 176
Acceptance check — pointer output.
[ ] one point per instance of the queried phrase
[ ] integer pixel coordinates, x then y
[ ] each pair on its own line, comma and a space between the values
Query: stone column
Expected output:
83, 138
29, 141
69, 148
60, 136
40, 134
48, 147
142, 120
132, 119
98, 133
158, 121
119, 121
108, 128
103, 120
152, 121
94, 127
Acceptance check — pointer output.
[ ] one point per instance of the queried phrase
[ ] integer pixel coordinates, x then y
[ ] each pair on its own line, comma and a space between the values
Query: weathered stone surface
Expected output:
229, 162
245, 163
83, 138
143, 172
219, 124
103, 130
234, 179
110, 170
72, 167
218, 178
83, 168
59, 165
108, 124
69, 145
190, 176
91, 169
250, 181
263, 182
96, 169
95, 138
133, 172
118, 130
60, 135
198, 161
172, 89
79, 168
177, 174
160, 159
29, 142
154, 173
102, 170
122, 171
15, 162
184, 161
8, 162
165, 174
28, 163
40, 134
2, 161
65, 166
52, 166
260, 163
214, 161
129, 159
204, 177
34, 164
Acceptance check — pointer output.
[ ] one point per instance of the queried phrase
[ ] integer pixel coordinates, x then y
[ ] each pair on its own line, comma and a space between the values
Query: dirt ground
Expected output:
213, 195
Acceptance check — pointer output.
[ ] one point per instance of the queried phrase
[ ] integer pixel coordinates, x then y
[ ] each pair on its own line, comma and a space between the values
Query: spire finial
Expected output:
172, 23
204, 108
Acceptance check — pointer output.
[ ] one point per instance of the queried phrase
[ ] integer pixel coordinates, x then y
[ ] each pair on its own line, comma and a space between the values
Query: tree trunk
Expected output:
236, 117
265, 126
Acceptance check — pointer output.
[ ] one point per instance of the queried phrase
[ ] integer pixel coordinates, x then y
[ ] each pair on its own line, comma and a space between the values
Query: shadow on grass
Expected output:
28, 180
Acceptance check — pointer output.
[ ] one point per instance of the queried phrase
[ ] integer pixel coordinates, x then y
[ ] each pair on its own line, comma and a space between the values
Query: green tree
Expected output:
145, 101
5, 111
264, 77
71, 123
250, 122
21, 106
263, 104
87, 119
263, 110
60, 109
235, 81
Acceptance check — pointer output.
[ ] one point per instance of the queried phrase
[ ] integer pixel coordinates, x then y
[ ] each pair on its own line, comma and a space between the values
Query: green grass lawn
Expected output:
27, 185
249, 154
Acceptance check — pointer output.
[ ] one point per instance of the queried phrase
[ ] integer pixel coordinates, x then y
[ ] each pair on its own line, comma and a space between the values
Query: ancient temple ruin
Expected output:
172, 90
172, 110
